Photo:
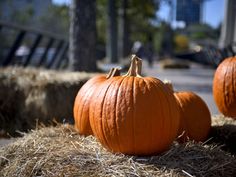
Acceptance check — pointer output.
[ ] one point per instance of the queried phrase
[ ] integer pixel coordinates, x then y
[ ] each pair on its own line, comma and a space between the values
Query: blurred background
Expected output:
198, 30
180, 40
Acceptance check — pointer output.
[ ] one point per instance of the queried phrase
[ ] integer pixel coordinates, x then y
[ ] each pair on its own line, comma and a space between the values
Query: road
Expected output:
197, 79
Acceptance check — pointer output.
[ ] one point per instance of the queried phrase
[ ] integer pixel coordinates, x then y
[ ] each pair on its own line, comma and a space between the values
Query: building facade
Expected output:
189, 11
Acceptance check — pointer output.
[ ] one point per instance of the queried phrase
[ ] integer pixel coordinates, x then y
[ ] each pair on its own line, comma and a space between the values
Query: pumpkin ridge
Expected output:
76, 108
224, 87
87, 94
159, 136
232, 103
81, 114
182, 122
116, 115
225, 98
133, 117
222, 107
113, 90
151, 128
169, 111
155, 83
103, 120
231, 85
78, 124
233, 82
142, 88
186, 132
92, 112
92, 116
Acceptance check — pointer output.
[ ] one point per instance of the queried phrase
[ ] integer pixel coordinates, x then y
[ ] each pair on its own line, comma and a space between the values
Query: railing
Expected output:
210, 55
58, 57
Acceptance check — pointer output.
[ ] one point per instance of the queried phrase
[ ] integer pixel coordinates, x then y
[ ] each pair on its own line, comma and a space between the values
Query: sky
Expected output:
61, 1
213, 11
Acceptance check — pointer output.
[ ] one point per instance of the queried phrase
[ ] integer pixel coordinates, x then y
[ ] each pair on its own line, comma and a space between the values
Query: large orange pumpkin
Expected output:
224, 87
83, 100
134, 115
195, 117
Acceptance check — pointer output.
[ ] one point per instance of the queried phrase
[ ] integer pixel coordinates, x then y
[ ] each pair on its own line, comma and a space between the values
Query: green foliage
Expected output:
163, 39
101, 21
56, 20
15, 15
145, 8
23, 16
139, 14
202, 31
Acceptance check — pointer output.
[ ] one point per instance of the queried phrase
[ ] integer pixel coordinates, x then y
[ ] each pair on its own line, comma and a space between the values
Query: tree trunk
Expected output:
82, 37
111, 46
124, 43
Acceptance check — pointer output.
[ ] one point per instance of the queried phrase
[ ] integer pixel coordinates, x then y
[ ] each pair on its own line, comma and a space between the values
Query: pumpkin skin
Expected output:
224, 87
134, 115
195, 117
83, 100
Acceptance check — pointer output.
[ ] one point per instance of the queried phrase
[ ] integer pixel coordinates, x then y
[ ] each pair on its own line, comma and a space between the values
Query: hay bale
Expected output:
11, 103
60, 151
223, 132
31, 95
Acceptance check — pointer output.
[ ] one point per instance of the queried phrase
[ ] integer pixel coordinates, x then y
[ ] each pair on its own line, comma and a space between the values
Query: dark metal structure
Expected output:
210, 55
58, 56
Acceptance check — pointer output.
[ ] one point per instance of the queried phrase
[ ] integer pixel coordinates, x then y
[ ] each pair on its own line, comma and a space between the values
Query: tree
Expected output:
135, 21
112, 31
55, 19
123, 30
201, 31
82, 35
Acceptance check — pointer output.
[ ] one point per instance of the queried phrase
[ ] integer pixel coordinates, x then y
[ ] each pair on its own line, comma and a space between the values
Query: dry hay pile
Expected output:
30, 94
224, 132
60, 151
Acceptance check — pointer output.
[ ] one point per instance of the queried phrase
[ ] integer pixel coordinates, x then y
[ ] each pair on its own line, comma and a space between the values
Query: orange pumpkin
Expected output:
83, 100
134, 115
224, 87
195, 117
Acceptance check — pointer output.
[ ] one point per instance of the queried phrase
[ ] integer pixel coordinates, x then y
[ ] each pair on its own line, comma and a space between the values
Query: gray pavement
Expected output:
197, 79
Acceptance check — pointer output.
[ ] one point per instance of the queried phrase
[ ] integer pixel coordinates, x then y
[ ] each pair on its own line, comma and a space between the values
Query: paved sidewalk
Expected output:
197, 79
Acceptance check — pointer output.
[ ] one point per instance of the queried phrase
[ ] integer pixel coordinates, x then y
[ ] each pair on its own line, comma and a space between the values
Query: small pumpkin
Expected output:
224, 87
134, 115
195, 117
83, 100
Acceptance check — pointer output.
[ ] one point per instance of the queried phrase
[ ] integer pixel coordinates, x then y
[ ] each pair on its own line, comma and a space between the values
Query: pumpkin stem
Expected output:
113, 72
138, 66
135, 67
169, 84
